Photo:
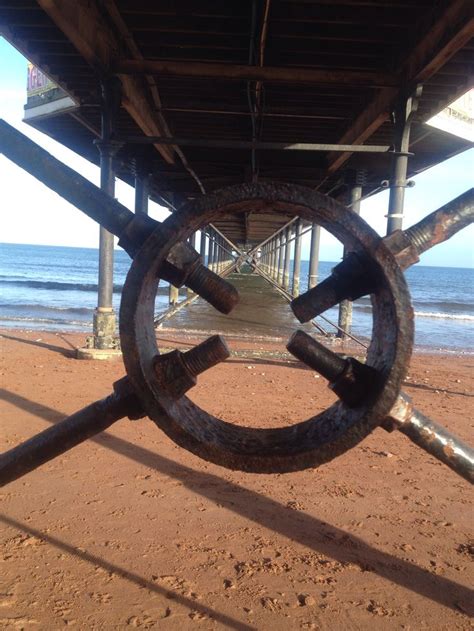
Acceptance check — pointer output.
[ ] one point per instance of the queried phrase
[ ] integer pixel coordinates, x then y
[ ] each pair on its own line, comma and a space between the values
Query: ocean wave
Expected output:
31, 308
444, 316
427, 314
56, 286
55, 321
64, 286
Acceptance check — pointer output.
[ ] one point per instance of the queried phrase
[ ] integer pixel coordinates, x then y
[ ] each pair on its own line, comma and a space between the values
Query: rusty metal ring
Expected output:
305, 444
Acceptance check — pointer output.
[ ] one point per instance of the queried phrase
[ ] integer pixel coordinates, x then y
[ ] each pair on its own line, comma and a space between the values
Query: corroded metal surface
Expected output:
431, 437
305, 444
354, 276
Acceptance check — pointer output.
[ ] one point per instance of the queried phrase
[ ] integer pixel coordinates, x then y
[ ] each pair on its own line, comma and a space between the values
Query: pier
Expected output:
258, 125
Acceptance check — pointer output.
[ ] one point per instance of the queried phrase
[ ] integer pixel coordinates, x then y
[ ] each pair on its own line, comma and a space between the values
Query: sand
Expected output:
130, 531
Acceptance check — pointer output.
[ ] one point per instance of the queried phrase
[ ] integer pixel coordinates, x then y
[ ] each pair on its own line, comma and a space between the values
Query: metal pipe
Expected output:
142, 190
61, 437
192, 243
297, 258
202, 246
104, 316
443, 223
106, 242
277, 232
431, 437
345, 306
286, 270
227, 240
280, 241
314, 256
274, 255
63, 180
212, 249
398, 182
252, 145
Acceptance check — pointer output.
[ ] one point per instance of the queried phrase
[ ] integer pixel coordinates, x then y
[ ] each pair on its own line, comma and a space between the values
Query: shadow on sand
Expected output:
299, 527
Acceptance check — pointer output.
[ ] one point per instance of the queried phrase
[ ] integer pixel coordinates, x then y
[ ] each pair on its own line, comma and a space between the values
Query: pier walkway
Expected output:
262, 312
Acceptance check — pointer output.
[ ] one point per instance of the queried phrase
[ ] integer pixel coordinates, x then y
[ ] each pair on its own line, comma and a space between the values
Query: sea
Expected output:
55, 288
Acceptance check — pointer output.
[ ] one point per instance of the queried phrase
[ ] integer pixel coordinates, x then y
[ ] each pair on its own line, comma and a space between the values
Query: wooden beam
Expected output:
241, 72
83, 25
446, 35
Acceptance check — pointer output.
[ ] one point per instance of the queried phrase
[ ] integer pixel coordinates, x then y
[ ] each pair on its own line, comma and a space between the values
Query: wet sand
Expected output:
130, 531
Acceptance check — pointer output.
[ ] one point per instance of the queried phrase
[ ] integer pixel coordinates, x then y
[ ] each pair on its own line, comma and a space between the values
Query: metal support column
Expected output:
274, 258
142, 186
403, 116
104, 315
345, 307
286, 271
212, 250
297, 258
173, 295
192, 242
202, 246
280, 241
314, 256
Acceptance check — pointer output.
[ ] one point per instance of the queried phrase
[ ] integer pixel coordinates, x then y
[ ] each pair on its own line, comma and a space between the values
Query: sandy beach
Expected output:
130, 531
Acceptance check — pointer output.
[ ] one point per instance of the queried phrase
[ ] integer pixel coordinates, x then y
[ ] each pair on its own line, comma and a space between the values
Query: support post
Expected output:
275, 258
173, 295
104, 316
212, 249
142, 186
297, 258
403, 116
314, 256
202, 246
280, 258
192, 242
286, 271
345, 306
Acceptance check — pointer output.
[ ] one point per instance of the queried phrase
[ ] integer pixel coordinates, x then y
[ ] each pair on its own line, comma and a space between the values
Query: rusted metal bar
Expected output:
177, 306
353, 277
72, 186
443, 223
433, 438
353, 382
217, 143
72, 431
181, 267
202, 70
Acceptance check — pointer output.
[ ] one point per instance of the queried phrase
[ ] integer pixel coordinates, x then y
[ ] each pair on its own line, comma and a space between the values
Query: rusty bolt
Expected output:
183, 265
351, 380
176, 372
352, 278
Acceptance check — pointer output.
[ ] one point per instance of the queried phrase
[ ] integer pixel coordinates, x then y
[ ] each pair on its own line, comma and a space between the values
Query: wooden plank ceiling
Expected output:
320, 71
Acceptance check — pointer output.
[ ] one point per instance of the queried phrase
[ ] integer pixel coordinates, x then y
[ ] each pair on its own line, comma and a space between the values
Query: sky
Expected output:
34, 214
